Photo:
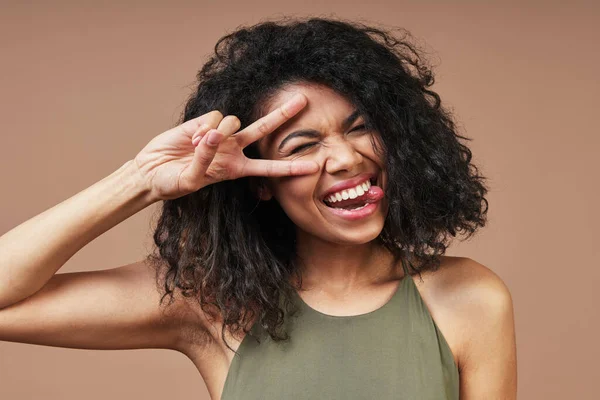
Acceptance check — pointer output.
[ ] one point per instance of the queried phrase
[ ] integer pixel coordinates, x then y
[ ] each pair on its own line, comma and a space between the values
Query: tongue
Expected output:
374, 194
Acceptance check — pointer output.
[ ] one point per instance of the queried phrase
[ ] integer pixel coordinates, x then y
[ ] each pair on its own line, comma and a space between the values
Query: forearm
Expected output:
32, 252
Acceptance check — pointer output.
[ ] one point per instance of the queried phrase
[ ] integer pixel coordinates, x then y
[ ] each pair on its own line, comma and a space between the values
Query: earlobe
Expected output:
264, 193
260, 188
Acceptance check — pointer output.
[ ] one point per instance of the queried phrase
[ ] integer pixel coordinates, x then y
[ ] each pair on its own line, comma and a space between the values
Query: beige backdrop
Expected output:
85, 87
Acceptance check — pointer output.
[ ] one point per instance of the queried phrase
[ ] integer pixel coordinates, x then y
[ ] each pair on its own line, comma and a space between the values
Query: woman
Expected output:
312, 175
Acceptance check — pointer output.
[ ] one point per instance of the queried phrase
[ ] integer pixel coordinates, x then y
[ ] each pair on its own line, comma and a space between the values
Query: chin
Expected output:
360, 238
355, 242
347, 236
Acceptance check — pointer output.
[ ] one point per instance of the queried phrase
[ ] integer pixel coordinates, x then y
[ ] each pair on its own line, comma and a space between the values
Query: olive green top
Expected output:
394, 352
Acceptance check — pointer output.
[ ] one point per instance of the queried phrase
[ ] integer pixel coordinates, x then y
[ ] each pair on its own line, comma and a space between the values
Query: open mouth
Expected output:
351, 199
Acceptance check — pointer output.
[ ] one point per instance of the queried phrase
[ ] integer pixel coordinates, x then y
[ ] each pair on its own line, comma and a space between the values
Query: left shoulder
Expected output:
472, 293
467, 287
473, 285
482, 309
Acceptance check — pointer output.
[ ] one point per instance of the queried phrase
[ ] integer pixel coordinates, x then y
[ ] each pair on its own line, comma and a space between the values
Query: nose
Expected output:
342, 155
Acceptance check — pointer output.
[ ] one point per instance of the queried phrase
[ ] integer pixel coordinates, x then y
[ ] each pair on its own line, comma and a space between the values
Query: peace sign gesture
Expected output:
207, 149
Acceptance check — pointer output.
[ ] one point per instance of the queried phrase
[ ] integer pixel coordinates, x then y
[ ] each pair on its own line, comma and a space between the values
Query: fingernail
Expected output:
214, 137
199, 133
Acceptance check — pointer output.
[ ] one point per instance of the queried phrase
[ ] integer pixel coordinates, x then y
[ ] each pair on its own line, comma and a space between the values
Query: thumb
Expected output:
204, 153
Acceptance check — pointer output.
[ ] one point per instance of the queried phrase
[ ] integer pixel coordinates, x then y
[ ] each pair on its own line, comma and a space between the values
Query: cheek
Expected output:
375, 147
292, 190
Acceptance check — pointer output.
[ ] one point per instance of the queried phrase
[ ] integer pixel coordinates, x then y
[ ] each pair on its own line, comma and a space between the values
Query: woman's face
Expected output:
328, 131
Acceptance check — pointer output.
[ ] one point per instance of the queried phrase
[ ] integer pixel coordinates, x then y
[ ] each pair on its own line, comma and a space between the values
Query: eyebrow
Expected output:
311, 133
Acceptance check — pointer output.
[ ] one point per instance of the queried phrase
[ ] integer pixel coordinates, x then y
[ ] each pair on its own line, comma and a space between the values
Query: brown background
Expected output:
85, 87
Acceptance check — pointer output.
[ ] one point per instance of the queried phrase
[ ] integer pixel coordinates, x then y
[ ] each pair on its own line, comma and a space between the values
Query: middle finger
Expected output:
267, 124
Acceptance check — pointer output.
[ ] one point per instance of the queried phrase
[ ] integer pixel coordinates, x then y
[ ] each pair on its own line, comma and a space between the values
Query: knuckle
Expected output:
284, 112
217, 113
237, 122
215, 118
205, 160
231, 122
243, 169
234, 119
207, 154
211, 118
263, 127
217, 173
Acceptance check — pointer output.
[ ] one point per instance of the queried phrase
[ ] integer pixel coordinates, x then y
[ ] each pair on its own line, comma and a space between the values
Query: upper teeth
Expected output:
352, 193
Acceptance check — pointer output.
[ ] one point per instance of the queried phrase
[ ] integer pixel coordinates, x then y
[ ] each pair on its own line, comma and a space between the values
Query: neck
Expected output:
335, 267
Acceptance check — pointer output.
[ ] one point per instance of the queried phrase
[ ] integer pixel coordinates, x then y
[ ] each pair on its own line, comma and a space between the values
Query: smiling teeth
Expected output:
352, 193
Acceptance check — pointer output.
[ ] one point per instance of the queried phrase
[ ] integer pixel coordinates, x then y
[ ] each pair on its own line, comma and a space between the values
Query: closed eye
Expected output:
307, 145
304, 146
358, 127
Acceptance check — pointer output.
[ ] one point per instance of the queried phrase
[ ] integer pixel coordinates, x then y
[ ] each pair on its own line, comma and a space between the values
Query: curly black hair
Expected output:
236, 257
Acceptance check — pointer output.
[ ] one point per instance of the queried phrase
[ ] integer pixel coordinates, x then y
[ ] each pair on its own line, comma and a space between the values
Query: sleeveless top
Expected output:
394, 352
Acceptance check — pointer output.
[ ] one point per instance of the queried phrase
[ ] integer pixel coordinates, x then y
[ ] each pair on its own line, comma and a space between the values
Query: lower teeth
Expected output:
352, 209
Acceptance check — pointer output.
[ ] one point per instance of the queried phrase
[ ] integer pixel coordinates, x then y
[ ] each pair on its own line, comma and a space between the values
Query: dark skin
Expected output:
345, 272
339, 254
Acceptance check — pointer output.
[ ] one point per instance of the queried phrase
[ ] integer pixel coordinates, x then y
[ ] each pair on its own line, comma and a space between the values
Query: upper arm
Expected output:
106, 309
488, 357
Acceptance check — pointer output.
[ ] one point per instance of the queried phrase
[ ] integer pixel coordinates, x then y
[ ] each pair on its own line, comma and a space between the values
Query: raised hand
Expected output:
207, 149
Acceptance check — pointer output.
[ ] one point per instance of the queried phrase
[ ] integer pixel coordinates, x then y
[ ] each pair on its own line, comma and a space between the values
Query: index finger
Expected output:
267, 124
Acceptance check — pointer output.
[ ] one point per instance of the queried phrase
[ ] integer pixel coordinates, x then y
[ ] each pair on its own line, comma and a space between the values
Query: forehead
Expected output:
316, 94
325, 108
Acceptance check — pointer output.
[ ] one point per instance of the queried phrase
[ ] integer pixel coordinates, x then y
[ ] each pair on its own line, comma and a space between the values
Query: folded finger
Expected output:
228, 126
204, 153
210, 119
202, 129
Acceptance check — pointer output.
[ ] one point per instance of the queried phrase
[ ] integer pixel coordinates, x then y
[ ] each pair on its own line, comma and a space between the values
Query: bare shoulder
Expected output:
470, 289
464, 296
469, 282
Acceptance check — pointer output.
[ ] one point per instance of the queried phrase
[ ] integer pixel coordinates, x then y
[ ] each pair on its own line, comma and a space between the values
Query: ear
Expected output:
260, 188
